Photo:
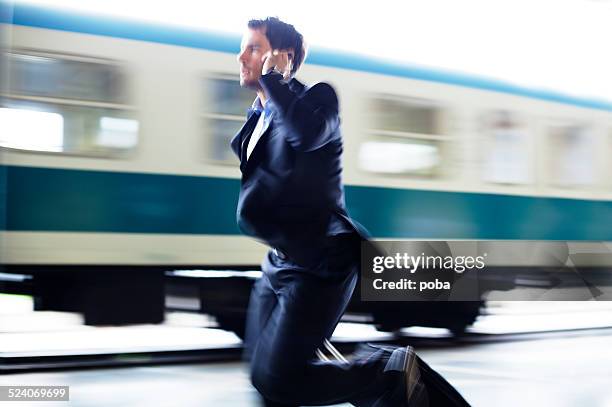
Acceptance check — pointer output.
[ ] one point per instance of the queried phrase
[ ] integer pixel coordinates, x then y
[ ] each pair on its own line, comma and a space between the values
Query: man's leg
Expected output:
307, 310
261, 305
262, 302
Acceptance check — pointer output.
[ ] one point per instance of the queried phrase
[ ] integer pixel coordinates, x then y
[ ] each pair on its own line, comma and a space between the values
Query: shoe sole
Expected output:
412, 375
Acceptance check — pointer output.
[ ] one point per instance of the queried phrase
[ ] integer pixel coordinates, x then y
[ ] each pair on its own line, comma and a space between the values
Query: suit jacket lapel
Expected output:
264, 133
240, 141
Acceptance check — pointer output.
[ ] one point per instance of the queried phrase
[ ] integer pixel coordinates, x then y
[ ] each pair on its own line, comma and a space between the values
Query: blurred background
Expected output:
121, 265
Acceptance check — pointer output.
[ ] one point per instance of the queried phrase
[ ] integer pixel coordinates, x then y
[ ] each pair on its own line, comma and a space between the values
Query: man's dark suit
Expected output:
291, 196
291, 183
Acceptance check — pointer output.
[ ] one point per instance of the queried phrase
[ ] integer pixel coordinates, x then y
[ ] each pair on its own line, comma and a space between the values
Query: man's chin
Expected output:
249, 84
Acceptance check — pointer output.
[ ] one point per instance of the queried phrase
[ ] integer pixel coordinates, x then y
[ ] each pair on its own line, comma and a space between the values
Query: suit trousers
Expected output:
292, 310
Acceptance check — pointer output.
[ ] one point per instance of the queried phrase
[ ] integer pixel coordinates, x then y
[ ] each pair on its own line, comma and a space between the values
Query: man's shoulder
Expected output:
322, 92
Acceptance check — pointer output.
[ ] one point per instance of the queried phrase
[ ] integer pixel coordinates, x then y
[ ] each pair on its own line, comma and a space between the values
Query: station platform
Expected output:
40, 340
564, 369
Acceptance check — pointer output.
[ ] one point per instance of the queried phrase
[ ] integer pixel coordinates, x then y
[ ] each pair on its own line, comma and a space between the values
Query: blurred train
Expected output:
116, 166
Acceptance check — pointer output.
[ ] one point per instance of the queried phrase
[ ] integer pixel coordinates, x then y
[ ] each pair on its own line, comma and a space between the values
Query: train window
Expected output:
405, 115
230, 97
507, 153
405, 137
399, 157
571, 162
66, 104
228, 103
57, 77
31, 130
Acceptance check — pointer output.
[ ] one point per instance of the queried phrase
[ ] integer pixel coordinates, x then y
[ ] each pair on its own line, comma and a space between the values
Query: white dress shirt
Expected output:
257, 132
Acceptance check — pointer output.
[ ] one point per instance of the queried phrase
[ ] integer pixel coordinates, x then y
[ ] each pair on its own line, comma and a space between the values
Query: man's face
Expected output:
252, 48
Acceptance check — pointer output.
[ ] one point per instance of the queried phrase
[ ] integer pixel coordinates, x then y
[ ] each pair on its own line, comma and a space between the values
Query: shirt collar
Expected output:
258, 107
294, 85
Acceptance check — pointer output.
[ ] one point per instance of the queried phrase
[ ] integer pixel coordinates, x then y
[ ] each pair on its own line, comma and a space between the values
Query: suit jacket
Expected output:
291, 183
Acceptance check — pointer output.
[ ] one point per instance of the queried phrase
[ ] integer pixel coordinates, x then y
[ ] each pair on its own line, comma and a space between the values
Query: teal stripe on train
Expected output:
3, 194
43, 199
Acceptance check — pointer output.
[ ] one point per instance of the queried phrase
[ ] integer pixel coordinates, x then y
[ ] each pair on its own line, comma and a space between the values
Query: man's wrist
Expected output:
273, 76
272, 70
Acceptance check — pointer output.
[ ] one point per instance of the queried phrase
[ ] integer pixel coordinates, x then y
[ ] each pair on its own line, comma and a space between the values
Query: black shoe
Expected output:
440, 391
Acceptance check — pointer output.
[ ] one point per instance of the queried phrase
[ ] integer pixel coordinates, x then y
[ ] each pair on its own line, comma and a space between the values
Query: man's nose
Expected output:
240, 56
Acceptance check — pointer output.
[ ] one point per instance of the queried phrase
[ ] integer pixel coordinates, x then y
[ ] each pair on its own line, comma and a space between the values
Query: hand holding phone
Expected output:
280, 60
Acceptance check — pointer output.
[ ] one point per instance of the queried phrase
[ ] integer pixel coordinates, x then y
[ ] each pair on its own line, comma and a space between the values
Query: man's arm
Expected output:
311, 117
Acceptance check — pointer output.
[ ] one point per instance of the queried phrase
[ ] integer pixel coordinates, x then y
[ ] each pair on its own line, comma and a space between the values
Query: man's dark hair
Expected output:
282, 36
